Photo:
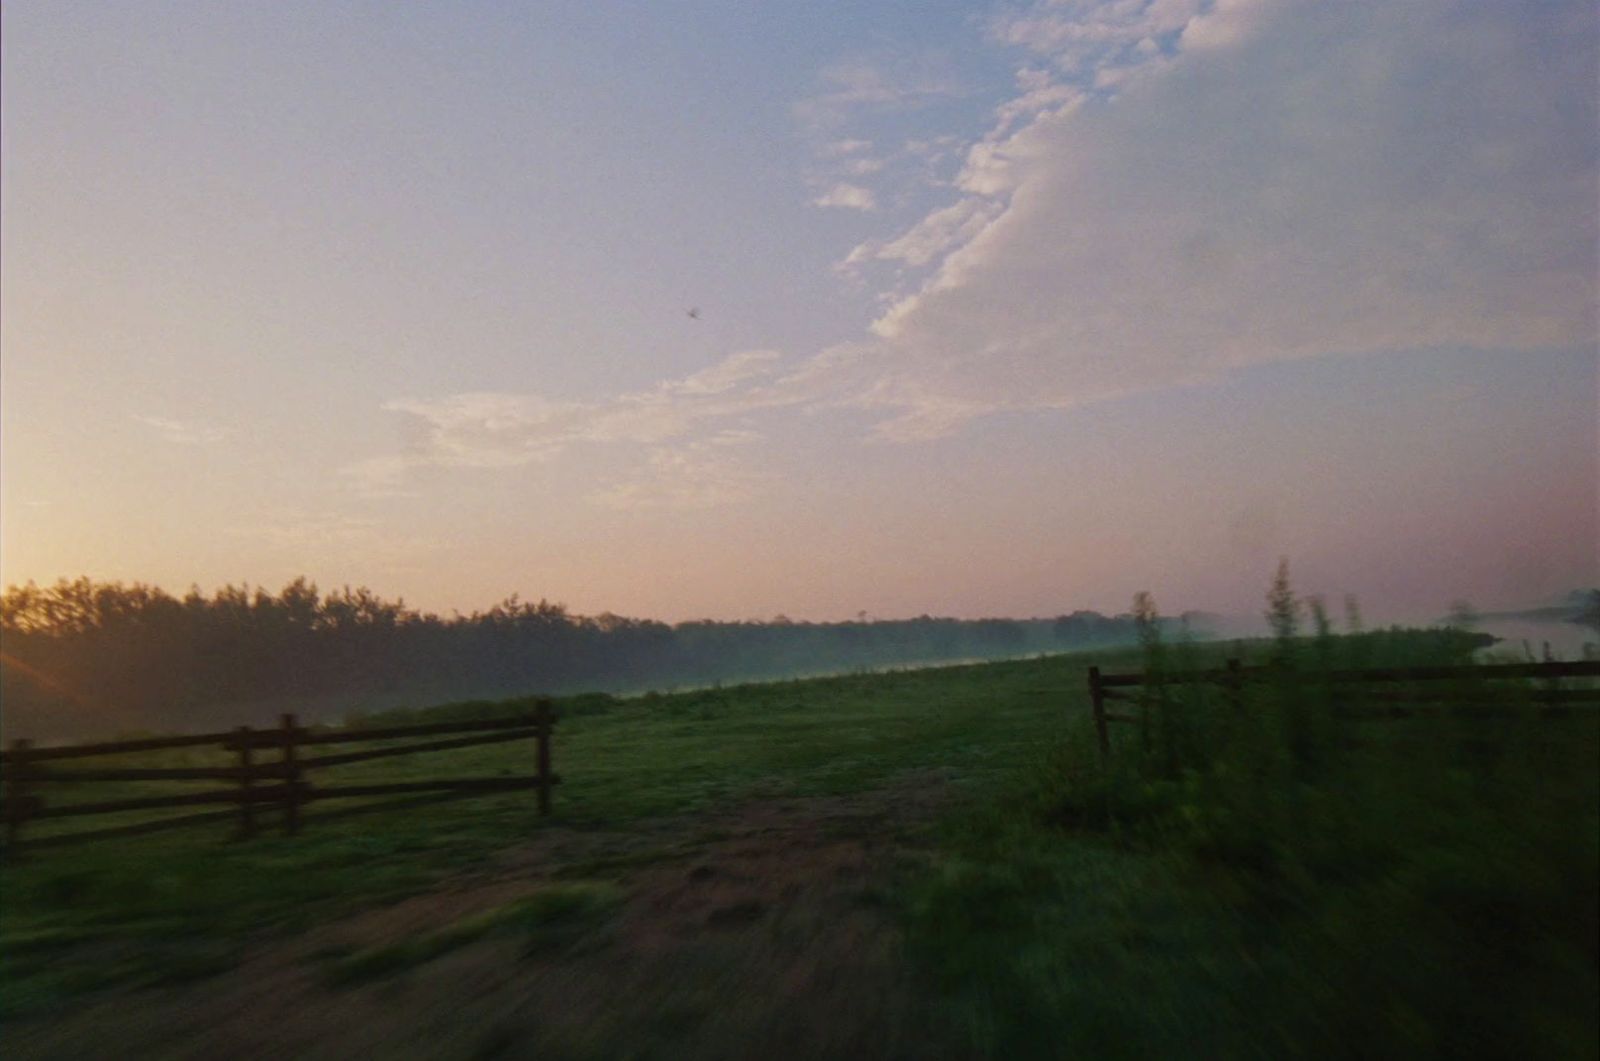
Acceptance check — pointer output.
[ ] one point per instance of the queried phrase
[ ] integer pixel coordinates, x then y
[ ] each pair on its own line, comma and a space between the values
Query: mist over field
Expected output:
92, 659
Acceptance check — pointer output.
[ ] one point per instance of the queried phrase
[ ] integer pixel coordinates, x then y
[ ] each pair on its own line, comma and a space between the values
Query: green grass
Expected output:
555, 916
1254, 884
1235, 890
620, 761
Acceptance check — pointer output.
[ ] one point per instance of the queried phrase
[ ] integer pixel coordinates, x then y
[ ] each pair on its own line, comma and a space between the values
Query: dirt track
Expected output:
759, 931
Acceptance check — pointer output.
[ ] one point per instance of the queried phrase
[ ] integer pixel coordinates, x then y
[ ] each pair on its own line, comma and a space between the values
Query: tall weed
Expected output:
1434, 877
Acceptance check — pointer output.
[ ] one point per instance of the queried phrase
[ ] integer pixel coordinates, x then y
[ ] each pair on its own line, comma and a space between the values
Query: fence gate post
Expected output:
18, 801
1097, 698
291, 779
542, 718
247, 806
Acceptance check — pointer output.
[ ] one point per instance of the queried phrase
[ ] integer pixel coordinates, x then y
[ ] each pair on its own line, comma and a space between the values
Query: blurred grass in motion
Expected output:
140, 910
555, 915
1274, 881
1254, 880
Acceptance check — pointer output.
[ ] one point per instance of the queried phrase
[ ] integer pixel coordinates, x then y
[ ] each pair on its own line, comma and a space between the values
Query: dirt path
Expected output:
758, 931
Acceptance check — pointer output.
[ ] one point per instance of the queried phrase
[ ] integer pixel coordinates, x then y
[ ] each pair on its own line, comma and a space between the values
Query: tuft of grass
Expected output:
1269, 879
559, 915
620, 760
555, 916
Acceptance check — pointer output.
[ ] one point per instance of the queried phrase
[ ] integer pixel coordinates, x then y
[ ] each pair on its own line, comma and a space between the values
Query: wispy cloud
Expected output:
929, 239
726, 375
1174, 190
854, 98
1089, 40
502, 430
848, 196
697, 475
1274, 179
838, 148
182, 433
851, 86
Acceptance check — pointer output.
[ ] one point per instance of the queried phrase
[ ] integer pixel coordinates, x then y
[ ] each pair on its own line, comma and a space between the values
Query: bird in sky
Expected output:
694, 313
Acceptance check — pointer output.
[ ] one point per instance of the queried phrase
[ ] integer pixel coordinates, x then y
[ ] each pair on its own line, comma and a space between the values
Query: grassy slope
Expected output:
1042, 937
179, 904
1433, 891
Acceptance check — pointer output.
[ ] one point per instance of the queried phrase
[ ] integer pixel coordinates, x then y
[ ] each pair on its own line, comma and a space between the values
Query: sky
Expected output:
999, 310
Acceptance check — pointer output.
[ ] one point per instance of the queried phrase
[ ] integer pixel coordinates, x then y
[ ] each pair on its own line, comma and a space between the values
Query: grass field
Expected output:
184, 901
1049, 908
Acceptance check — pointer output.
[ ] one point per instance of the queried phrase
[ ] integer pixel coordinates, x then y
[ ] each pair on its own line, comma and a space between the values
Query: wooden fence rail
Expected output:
279, 783
1479, 699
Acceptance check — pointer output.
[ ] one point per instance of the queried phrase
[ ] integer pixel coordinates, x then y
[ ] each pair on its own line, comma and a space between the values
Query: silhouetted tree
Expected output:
87, 657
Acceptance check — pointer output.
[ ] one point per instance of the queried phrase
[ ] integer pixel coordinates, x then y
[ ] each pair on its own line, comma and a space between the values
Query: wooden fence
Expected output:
270, 772
1481, 690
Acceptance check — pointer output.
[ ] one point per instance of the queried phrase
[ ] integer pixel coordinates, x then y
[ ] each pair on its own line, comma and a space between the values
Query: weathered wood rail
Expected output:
256, 783
1481, 691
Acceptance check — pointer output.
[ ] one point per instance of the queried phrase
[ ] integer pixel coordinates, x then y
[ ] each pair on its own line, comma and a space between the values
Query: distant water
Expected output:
1566, 640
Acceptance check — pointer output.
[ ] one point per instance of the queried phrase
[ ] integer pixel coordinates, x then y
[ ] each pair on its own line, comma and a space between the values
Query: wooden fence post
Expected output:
17, 797
1097, 698
291, 779
247, 806
542, 717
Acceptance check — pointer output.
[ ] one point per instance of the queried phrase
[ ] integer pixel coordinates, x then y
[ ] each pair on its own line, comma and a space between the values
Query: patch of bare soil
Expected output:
759, 931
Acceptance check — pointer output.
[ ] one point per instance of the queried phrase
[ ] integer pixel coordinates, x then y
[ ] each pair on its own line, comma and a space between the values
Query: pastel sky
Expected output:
1001, 310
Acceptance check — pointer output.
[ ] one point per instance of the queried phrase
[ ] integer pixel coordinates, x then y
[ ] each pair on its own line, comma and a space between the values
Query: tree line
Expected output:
84, 657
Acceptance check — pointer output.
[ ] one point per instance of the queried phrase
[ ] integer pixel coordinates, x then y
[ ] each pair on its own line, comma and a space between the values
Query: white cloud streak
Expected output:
694, 476
1274, 179
501, 430
855, 96
1176, 190
848, 196
861, 84
182, 433
929, 239
836, 148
